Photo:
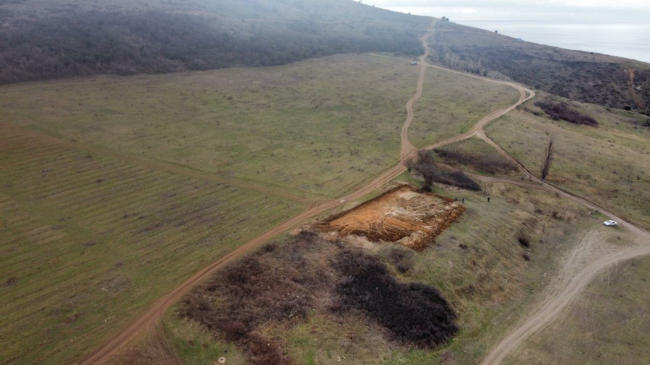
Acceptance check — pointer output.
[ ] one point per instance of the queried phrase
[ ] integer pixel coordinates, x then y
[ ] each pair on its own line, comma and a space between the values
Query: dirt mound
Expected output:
401, 215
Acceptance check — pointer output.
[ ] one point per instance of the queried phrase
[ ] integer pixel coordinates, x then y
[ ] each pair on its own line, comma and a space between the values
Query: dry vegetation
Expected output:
563, 111
286, 282
114, 189
62, 38
607, 164
577, 75
328, 300
316, 128
452, 103
607, 324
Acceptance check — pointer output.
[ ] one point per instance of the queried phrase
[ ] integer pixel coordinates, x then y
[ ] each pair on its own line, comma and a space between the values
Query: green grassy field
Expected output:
452, 103
89, 239
115, 189
317, 128
608, 324
607, 164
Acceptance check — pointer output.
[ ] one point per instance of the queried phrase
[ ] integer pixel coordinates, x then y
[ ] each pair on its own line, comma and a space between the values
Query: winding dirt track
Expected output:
558, 298
149, 319
567, 288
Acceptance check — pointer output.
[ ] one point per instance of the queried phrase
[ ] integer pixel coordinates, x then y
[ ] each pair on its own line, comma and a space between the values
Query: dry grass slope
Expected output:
607, 164
452, 103
319, 127
89, 239
607, 324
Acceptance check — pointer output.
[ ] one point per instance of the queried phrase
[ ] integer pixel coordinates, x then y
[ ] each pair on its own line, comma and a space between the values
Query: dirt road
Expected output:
408, 150
559, 295
573, 279
567, 287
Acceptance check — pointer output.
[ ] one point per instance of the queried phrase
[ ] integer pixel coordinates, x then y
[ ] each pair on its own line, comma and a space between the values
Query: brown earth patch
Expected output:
403, 215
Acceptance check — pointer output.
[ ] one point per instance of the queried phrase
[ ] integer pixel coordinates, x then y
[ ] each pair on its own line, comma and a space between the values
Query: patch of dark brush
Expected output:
482, 162
457, 179
524, 241
284, 282
414, 314
426, 166
563, 111
277, 283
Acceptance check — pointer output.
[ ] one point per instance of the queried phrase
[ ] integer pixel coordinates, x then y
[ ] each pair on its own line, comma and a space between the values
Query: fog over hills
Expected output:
62, 38
49, 39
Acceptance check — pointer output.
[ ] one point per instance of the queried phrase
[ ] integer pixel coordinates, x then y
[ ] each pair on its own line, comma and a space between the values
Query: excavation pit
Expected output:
402, 215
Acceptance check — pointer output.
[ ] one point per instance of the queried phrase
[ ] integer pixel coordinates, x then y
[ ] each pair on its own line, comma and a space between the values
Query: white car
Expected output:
610, 223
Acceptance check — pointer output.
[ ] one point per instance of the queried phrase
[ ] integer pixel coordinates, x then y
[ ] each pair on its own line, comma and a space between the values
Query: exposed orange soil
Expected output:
400, 215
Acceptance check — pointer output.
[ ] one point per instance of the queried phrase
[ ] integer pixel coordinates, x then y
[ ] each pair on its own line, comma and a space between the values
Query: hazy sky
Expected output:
562, 11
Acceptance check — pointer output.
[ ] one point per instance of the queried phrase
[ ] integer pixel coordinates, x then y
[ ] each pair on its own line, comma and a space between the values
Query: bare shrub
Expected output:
576, 75
524, 241
547, 160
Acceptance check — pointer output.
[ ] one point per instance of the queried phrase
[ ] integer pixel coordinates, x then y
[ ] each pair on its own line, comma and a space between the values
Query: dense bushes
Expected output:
563, 111
582, 76
83, 38
426, 167
413, 313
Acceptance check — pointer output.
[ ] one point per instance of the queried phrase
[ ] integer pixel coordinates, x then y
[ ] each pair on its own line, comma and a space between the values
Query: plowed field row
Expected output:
92, 238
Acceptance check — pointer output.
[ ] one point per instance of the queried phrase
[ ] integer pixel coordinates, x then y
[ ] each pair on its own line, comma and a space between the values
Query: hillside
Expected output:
278, 182
61, 38
583, 76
